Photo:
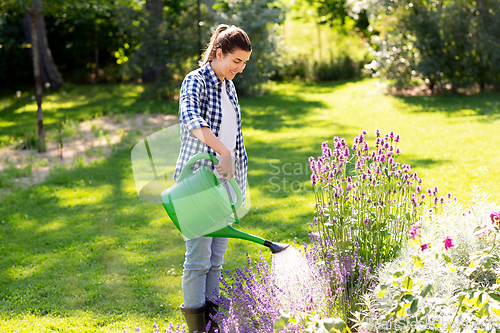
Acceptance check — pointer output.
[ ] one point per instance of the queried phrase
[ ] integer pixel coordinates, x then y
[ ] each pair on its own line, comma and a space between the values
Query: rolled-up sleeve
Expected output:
189, 104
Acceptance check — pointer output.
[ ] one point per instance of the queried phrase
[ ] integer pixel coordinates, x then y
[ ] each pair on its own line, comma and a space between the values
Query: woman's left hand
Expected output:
225, 167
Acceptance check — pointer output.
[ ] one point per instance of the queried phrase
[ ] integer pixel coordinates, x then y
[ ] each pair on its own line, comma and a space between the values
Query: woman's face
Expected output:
230, 64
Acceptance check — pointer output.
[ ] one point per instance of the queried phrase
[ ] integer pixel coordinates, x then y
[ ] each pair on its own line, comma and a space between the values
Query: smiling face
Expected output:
226, 66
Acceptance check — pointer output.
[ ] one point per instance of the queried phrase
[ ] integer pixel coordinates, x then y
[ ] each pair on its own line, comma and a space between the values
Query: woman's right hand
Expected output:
225, 167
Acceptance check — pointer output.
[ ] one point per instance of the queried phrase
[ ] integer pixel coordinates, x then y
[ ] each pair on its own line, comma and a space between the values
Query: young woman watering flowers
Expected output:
211, 123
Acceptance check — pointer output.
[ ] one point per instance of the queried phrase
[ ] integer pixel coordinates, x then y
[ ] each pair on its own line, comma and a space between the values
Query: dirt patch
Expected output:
90, 140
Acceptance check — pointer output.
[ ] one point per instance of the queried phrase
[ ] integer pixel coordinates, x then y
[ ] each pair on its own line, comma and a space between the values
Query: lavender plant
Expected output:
346, 278
364, 197
249, 300
295, 295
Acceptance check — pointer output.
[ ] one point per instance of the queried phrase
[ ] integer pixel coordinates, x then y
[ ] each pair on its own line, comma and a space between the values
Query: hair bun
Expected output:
221, 28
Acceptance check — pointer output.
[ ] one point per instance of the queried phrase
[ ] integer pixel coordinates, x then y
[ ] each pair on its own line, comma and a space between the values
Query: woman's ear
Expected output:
218, 54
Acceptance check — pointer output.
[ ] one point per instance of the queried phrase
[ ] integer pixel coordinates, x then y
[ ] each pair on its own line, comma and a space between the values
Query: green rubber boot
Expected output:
195, 318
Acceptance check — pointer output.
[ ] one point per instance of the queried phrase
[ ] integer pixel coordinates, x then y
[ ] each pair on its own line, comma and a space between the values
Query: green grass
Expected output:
18, 115
81, 252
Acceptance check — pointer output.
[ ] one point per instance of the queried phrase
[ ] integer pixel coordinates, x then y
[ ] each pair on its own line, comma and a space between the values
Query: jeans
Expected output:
202, 270
202, 266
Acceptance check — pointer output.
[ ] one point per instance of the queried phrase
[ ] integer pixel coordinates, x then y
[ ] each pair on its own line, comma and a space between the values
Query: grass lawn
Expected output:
81, 253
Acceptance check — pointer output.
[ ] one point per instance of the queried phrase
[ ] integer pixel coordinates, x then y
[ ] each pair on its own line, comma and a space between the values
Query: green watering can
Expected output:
199, 205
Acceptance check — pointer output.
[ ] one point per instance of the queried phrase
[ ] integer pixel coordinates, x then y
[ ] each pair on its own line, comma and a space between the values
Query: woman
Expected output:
211, 123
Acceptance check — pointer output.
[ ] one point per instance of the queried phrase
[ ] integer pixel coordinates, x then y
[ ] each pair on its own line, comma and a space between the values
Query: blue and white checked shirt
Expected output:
199, 106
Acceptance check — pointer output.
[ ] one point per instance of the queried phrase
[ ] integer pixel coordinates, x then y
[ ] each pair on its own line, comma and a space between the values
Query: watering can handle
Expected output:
187, 170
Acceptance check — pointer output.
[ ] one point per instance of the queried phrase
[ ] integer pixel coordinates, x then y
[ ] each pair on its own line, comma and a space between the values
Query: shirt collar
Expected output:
214, 79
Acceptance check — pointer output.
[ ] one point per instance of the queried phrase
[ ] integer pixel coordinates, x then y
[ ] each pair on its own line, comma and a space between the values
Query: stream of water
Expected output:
300, 283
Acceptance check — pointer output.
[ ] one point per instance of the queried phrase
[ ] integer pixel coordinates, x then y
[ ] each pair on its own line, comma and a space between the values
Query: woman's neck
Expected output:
215, 66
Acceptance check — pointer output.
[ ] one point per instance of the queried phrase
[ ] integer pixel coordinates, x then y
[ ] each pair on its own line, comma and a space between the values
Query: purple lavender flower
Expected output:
424, 247
314, 179
377, 132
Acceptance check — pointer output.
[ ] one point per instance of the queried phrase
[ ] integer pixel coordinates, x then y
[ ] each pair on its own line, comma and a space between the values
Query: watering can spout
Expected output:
276, 247
230, 232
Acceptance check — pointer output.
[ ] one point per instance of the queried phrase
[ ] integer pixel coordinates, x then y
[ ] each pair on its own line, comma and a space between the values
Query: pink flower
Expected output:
363, 331
414, 232
495, 218
424, 247
448, 242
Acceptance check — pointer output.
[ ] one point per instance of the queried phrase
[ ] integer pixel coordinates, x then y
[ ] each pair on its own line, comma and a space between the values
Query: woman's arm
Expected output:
225, 165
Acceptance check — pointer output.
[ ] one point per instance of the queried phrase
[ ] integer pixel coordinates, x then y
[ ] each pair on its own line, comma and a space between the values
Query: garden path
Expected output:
89, 141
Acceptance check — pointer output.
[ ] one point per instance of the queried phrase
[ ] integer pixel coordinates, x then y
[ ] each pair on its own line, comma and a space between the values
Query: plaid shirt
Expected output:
200, 106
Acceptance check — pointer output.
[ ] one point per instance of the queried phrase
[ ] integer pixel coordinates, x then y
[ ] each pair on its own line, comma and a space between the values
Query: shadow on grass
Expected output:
78, 103
484, 104
98, 251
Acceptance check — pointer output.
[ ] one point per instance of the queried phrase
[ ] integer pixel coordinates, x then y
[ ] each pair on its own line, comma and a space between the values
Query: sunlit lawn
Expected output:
81, 253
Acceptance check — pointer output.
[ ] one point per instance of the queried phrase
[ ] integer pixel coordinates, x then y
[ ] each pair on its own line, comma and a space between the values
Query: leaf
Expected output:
413, 307
486, 260
496, 297
418, 262
397, 274
408, 283
381, 293
496, 311
426, 289
447, 258
335, 325
408, 297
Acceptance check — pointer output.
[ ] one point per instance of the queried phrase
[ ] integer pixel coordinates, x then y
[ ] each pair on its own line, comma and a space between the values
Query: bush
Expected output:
259, 19
448, 45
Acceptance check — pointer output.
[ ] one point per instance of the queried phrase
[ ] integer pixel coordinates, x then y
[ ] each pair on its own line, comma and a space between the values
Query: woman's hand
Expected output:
225, 167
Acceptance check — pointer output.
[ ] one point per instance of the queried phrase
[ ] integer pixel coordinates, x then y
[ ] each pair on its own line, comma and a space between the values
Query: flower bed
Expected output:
384, 256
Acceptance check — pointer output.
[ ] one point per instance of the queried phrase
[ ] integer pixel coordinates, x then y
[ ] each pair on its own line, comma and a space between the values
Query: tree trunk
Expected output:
38, 81
48, 69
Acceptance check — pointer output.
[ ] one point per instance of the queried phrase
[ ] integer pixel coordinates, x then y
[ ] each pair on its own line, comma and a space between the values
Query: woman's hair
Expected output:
228, 39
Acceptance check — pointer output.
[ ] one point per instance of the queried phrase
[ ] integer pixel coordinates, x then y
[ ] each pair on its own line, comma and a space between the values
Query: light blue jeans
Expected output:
202, 269
202, 266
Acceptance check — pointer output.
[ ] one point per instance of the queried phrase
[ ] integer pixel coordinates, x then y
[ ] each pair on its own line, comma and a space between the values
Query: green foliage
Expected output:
432, 289
449, 45
162, 49
259, 19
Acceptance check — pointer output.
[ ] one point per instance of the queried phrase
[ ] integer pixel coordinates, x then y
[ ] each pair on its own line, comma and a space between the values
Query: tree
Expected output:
165, 46
48, 69
36, 9
449, 45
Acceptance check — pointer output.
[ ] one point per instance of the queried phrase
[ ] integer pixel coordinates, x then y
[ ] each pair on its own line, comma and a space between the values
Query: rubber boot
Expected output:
195, 318
210, 312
